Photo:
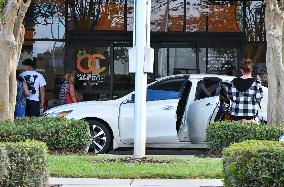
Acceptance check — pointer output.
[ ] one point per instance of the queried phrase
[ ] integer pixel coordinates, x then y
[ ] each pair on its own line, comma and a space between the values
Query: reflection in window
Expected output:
214, 16
255, 28
208, 87
176, 61
218, 61
224, 16
169, 89
50, 62
167, 15
92, 72
130, 15
196, 15
257, 53
96, 15
45, 19
123, 81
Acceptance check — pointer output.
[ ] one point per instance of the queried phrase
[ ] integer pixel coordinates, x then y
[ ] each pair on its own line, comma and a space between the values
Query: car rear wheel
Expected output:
101, 138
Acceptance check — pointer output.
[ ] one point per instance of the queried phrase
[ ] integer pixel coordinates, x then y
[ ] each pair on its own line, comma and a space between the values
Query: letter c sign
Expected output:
91, 67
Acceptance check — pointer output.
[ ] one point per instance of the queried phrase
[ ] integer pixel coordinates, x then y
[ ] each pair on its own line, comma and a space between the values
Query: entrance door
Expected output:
93, 72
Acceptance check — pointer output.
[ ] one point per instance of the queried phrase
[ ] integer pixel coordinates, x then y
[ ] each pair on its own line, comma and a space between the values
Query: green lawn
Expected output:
101, 167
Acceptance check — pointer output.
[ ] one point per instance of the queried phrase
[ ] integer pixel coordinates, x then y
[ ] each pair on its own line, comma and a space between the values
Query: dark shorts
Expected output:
238, 118
32, 108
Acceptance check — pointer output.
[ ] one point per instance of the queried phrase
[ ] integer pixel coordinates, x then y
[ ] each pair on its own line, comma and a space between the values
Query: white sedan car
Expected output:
179, 109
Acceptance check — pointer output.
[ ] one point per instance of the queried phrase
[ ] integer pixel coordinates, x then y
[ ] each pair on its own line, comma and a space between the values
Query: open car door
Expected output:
162, 102
203, 109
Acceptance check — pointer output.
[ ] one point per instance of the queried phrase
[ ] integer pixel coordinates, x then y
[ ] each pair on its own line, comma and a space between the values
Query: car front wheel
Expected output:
101, 138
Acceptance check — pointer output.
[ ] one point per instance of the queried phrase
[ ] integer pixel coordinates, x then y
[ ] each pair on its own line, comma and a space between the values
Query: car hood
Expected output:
84, 106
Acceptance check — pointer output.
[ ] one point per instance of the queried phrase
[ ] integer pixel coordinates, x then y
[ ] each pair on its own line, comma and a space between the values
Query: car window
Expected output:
207, 88
169, 89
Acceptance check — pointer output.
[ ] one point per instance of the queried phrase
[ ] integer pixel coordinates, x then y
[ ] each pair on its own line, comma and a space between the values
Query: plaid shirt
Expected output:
244, 103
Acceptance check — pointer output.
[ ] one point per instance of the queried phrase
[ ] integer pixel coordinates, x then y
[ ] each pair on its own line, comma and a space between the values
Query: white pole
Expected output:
140, 33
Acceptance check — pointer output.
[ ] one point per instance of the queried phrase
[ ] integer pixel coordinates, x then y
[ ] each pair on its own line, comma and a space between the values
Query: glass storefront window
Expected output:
257, 53
130, 15
196, 12
225, 16
220, 61
176, 61
167, 15
123, 81
96, 15
92, 66
49, 57
214, 16
45, 19
254, 21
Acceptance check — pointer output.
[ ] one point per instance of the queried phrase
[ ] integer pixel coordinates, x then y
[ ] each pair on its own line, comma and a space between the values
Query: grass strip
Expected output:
103, 166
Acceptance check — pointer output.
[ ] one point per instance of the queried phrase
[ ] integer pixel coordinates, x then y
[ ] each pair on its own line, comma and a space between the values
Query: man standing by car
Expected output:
36, 83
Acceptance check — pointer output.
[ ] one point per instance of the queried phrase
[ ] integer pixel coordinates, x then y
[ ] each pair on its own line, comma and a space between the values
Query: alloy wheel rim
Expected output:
98, 138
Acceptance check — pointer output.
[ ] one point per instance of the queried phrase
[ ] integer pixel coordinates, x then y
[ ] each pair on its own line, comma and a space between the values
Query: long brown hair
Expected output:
246, 65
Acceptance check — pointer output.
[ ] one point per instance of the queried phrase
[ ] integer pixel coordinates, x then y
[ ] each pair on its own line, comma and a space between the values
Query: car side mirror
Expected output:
130, 100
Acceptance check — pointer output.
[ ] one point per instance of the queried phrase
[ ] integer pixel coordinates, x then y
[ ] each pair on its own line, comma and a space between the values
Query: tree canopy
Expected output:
1, 5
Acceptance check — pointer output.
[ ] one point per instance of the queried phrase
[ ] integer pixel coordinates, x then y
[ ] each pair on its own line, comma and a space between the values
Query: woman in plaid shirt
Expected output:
245, 93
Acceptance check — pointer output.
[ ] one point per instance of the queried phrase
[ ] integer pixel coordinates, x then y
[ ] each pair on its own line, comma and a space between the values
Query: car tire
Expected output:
101, 138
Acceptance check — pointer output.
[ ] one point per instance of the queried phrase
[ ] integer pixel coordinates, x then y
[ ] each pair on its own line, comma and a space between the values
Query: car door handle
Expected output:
168, 107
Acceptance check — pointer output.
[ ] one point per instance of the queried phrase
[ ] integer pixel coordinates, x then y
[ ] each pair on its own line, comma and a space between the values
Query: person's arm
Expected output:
72, 93
259, 92
42, 91
26, 89
42, 96
230, 93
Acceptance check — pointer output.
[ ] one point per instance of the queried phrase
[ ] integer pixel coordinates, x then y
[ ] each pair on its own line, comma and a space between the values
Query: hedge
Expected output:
220, 135
61, 135
27, 165
254, 163
4, 164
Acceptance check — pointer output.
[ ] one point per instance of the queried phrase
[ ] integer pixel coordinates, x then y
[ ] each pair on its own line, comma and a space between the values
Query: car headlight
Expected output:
61, 114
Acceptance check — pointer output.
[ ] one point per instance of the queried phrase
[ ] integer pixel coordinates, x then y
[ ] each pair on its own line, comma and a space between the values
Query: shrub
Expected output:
59, 134
4, 164
254, 163
27, 164
220, 135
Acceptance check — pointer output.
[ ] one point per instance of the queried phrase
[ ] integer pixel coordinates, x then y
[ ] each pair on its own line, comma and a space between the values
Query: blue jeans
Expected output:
20, 111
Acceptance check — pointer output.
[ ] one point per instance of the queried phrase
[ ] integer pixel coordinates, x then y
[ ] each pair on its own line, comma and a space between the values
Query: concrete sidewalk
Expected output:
92, 182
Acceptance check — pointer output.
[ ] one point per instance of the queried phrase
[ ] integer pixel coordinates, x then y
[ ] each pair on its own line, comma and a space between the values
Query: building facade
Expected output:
92, 38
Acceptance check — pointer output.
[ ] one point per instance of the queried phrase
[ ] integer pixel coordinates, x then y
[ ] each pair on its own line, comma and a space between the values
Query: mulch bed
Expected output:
132, 160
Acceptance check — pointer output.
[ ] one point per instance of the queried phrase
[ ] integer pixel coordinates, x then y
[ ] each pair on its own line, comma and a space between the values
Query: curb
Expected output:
94, 182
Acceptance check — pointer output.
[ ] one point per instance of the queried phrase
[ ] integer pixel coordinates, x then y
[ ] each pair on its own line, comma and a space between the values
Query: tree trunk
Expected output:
274, 30
11, 40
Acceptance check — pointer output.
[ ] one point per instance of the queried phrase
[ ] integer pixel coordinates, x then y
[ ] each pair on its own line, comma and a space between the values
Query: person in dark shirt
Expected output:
22, 93
245, 93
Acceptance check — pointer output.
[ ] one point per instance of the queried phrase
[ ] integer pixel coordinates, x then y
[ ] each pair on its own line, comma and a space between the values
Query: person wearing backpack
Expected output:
245, 93
67, 93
